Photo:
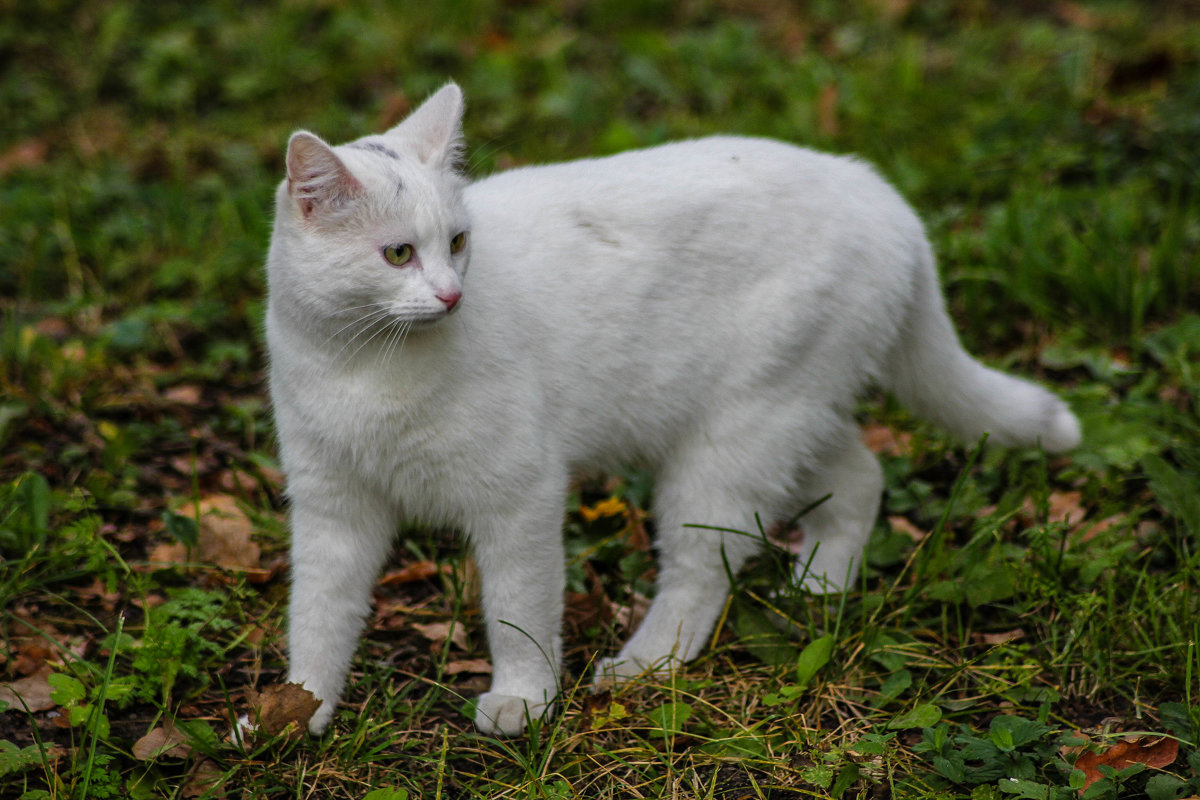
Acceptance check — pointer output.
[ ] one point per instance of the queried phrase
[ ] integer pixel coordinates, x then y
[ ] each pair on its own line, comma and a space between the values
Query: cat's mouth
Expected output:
429, 319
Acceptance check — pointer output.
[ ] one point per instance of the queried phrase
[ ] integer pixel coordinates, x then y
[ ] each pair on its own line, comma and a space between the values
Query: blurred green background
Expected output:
1052, 148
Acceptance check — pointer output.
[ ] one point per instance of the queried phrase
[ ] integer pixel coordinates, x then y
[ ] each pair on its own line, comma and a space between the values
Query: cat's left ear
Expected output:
434, 131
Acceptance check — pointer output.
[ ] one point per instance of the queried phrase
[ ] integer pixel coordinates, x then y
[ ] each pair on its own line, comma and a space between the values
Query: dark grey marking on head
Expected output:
376, 147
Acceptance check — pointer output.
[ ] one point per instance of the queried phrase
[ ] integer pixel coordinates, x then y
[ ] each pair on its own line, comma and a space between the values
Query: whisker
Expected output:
369, 339
383, 309
394, 336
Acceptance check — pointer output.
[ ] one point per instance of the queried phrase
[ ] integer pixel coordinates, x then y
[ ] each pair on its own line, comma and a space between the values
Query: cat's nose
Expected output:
450, 297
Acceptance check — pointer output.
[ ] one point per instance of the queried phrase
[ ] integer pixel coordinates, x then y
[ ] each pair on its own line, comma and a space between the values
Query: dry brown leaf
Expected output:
34, 690
630, 616
827, 113
893, 10
276, 707
99, 591
55, 328
1062, 507
1066, 507
229, 529
1100, 526
32, 654
473, 666
187, 394
224, 538
234, 480
903, 525
1001, 638
1076, 14
417, 571
439, 632
203, 779
26, 153
1155, 753
165, 740
882, 440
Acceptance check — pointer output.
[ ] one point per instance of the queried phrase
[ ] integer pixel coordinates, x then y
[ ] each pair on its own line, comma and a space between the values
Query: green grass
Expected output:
1012, 605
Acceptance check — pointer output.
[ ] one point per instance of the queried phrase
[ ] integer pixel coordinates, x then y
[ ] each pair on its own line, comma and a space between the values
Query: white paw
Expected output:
321, 718
506, 714
616, 670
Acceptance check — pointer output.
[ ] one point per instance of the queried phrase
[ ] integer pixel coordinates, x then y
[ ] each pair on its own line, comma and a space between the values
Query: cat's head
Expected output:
373, 234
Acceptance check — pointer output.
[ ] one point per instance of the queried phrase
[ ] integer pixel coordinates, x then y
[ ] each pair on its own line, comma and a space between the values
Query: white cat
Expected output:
711, 308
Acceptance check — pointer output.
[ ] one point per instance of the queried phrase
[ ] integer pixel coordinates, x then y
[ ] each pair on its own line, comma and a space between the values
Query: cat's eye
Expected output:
458, 242
398, 254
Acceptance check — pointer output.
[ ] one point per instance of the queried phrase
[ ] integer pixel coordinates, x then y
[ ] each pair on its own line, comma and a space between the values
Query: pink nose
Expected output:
450, 297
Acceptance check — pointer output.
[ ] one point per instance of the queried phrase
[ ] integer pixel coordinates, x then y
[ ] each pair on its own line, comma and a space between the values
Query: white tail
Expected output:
932, 374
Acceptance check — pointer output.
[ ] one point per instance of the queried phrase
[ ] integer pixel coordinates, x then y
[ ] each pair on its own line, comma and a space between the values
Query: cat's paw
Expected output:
507, 715
321, 718
615, 670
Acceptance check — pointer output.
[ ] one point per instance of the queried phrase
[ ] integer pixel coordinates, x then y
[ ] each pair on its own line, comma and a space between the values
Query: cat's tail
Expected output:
931, 374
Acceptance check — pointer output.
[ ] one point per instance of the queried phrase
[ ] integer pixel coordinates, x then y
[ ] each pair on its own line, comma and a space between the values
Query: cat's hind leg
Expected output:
719, 489
836, 531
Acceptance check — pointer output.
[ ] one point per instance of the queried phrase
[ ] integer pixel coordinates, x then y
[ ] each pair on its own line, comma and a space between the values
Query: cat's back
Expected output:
715, 191
723, 169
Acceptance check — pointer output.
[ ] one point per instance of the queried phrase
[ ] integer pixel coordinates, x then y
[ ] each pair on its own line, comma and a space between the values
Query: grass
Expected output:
1013, 605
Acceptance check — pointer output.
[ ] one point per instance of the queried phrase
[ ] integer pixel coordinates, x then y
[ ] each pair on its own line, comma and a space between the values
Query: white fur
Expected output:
712, 308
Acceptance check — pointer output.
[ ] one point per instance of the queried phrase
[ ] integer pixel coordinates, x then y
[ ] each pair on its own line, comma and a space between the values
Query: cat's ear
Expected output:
434, 131
317, 179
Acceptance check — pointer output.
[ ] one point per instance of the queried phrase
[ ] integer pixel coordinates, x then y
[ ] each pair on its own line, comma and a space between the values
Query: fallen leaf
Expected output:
1156, 753
164, 740
827, 110
1001, 638
903, 525
203, 780
417, 571
882, 440
187, 394
1066, 507
1098, 527
32, 654
893, 10
224, 538
474, 666
55, 328
233, 480
98, 591
439, 632
33, 690
26, 153
1062, 507
1076, 14
630, 616
276, 707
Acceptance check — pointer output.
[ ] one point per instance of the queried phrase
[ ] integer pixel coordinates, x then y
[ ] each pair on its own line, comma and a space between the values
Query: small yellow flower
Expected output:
612, 507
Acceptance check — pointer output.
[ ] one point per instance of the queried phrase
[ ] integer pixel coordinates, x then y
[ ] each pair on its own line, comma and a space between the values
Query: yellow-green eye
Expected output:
398, 254
458, 242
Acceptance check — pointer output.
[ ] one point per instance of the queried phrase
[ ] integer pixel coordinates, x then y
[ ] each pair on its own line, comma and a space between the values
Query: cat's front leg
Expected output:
520, 560
340, 539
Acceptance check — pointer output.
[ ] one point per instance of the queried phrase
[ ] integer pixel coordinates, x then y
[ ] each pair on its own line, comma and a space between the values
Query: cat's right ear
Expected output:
318, 181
